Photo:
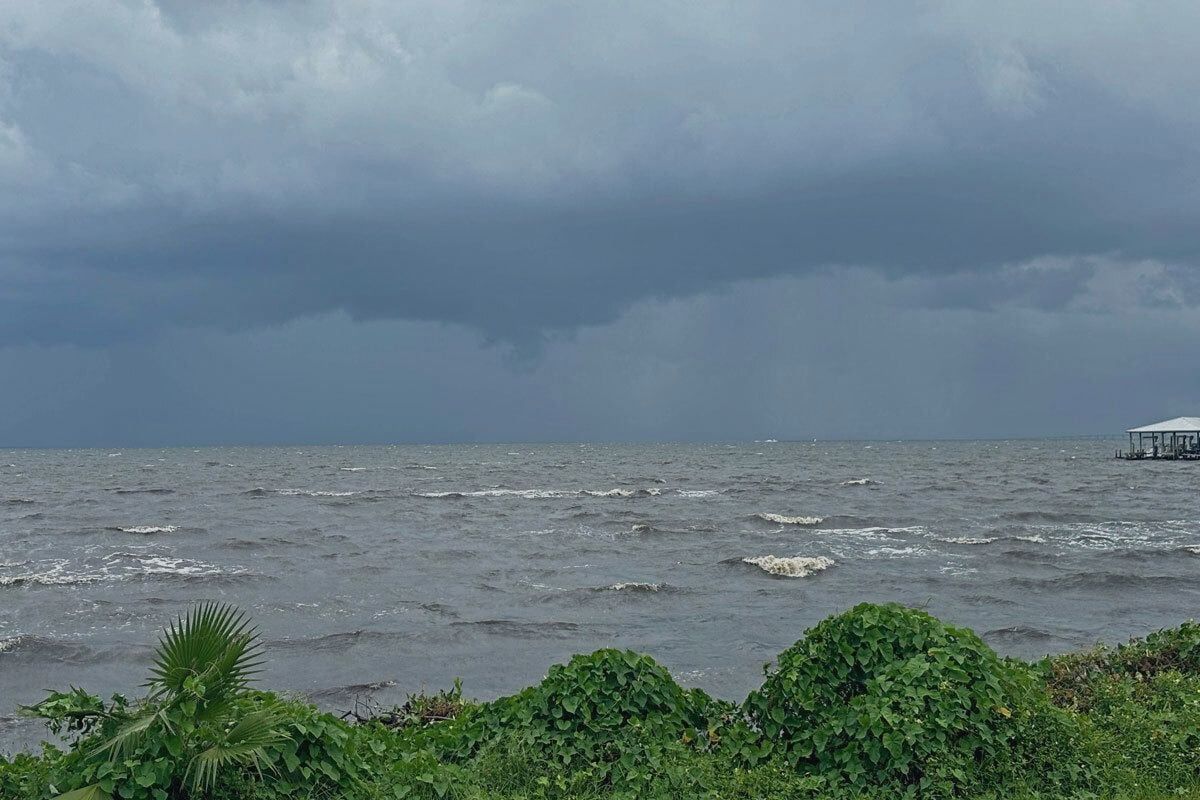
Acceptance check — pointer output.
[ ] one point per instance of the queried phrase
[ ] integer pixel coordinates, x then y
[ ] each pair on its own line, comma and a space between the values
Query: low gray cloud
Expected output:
528, 174
845, 354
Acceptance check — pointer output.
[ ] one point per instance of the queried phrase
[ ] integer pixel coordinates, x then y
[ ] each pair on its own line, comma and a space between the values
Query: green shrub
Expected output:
201, 731
25, 776
612, 713
1072, 678
881, 701
317, 751
888, 695
198, 722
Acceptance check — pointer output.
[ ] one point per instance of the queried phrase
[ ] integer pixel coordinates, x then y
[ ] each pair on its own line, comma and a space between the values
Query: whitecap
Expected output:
52, 573
303, 493
528, 494
783, 519
698, 493
635, 586
114, 567
896, 552
795, 567
966, 539
651, 492
149, 529
860, 482
353, 469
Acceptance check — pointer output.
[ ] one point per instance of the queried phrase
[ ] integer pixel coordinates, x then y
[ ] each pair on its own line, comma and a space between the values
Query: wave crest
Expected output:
795, 567
784, 519
146, 529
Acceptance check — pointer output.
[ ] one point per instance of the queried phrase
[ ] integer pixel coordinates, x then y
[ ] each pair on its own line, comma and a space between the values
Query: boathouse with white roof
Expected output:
1177, 438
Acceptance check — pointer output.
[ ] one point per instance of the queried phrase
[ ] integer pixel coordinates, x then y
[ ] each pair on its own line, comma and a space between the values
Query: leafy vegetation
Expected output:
610, 717
885, 695
881, 701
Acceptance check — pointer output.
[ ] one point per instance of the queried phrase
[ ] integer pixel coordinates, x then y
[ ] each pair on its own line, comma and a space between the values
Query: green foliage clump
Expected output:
613, 716
881, 701
201, 731
1072, 678
1140, 703
198, 720
25, 775
887, 695
317, 750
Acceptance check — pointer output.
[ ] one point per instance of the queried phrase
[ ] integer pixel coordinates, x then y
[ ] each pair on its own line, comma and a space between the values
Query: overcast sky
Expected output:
446, 220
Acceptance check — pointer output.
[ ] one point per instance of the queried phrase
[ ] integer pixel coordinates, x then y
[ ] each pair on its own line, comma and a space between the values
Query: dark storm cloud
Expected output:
824, 355
526, 168
347, 220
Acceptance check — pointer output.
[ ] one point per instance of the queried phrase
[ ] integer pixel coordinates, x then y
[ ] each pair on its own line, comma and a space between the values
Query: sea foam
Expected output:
795, 567
147, 529
783, 519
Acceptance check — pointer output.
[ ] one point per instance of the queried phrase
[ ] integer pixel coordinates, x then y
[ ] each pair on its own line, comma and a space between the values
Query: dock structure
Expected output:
1171, 439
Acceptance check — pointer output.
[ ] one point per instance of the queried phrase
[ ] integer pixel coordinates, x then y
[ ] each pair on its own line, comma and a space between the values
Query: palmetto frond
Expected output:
243, 744
214, 644
93, 792
126, 737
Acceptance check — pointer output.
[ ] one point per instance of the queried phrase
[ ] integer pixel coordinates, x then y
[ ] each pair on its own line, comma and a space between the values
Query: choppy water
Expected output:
398, 568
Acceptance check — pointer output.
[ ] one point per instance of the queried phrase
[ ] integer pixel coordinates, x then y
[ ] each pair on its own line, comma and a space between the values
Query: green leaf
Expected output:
93, 792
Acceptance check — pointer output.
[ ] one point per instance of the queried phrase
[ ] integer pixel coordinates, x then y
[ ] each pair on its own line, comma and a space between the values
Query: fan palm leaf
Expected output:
93, 792
215, 645
243, 744
126, 737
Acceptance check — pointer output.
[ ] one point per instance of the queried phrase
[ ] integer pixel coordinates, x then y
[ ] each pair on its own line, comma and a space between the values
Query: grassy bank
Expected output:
881, 701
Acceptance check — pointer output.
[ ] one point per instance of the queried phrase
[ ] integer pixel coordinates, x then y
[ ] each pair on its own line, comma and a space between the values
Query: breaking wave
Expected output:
49, 573
860, 482
966, 539
652, 492
146, 529
118, 566
783, 519
795, 567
